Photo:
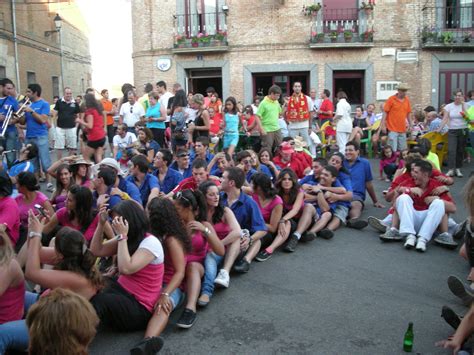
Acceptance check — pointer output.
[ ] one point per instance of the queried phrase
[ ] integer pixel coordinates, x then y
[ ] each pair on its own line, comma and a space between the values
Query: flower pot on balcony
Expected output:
195, 44
314, 13
368, 12
348, 39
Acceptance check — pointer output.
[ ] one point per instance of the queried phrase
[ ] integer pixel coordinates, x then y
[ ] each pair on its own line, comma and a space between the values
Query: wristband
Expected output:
121, 237
207, 231
165, 294
34, 234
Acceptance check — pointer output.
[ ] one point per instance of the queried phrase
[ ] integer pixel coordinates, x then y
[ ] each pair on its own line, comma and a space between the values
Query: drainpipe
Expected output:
15, 45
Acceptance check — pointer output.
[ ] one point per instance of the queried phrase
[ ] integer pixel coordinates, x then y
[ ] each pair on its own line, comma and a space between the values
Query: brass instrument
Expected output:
21, 111
6, 121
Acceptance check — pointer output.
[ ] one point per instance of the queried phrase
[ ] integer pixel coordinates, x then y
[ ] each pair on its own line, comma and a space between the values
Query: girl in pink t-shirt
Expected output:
127, 304
228, 230
271, 206
29, 196
191, 208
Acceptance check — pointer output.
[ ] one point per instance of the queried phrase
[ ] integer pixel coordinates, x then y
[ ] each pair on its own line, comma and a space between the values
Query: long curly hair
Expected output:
219, 209
165, 221
77, 258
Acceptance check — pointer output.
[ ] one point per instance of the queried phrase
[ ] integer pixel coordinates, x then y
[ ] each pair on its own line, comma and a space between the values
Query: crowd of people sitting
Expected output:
182, 202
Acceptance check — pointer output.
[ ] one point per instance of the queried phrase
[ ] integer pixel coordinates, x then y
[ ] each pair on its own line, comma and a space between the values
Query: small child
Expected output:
231, 125
389, 163
418, 128
330, 133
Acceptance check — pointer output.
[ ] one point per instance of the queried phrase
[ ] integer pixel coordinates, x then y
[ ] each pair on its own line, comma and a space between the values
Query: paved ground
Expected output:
349, 295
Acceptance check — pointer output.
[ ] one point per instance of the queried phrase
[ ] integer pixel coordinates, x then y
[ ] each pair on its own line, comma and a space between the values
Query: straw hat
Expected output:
300, 143
403, 87
79, 160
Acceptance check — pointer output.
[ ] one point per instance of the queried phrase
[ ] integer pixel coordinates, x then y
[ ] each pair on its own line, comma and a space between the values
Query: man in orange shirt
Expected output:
109, 120
397, 113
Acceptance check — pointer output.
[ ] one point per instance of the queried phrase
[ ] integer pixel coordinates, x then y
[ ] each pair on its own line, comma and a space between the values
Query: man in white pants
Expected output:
297, 113
419, 212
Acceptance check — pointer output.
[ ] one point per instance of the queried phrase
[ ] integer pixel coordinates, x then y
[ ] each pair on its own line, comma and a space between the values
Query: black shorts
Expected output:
96, 144
110, 133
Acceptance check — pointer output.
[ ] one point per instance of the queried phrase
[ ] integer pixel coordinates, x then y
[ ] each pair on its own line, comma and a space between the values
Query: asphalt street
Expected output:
349, 295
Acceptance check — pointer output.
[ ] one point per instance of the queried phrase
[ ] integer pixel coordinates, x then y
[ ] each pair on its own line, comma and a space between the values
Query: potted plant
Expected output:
317, 37
312, 10
194, 41
348, 34
368, 7
428, 34
180, 41
446, 37
466, 37
204, 39
367, 36
333, 36
220, 37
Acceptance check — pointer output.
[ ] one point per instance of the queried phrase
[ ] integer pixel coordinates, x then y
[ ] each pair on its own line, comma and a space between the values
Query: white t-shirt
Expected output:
455, 119
164, 102
191, 114
131, 114
153, 245
343, 110
124, 142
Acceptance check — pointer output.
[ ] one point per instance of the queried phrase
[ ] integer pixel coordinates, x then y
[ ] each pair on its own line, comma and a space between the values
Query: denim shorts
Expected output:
176, 297
341, 212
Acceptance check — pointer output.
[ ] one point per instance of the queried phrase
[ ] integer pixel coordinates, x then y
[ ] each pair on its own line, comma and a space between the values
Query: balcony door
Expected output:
201, 16
459, 14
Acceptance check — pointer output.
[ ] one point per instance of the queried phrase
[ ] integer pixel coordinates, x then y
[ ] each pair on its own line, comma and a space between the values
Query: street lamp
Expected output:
58, 22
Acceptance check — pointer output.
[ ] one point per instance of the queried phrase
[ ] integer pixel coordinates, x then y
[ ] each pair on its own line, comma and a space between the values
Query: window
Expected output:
30, 77
55, 84
337, 10
201, 16
3, 72
459, 14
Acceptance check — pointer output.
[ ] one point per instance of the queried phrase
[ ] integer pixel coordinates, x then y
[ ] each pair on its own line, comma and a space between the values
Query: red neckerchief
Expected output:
297, 108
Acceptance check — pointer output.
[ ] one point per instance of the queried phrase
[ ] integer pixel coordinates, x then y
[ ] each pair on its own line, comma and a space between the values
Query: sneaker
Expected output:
377, 224
325, 233
446, 240
291, 245
263, 256
460, 230
222, 278
450, 317
459, 290
187, 319
357, 223
203, 300
242, 266
148, 346
421, 245
458, 173
50, 187
410, 241
450, 173
391, 235
308, 237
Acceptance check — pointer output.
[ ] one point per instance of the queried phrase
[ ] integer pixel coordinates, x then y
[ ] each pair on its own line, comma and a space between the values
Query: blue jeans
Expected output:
211, 264
43, 152
14, 335
11, 143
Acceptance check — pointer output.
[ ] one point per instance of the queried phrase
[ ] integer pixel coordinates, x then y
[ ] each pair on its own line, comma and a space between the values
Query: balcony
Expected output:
342, 28
448, 27
200, 33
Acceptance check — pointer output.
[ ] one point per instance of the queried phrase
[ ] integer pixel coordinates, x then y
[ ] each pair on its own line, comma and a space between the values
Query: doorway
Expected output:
200, 79
352, 83
262, 82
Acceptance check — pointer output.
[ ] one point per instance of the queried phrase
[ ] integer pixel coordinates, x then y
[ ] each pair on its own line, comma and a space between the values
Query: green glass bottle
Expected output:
408, 339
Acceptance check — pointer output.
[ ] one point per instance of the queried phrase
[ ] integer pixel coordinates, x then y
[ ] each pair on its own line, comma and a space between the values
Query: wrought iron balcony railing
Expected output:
448, 26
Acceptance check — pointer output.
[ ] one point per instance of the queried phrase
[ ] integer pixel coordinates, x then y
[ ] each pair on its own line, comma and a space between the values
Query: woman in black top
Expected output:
201, 123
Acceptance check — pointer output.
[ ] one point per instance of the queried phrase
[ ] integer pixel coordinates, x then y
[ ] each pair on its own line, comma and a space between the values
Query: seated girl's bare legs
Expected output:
194, 274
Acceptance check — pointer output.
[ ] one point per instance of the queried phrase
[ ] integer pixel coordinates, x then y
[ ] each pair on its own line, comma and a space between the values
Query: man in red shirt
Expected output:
200, 175
326, 110
418, 211
286, 159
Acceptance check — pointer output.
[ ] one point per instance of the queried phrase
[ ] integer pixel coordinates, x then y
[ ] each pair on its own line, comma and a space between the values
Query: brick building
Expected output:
241, 47
39, 59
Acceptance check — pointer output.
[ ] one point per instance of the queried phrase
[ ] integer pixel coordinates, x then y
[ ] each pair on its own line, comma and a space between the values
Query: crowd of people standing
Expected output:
172, 192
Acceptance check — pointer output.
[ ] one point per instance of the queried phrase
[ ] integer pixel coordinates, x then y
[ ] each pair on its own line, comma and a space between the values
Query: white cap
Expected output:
110, 162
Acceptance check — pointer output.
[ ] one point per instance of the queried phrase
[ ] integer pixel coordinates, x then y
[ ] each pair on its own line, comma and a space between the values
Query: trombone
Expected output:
21, 111
6, 121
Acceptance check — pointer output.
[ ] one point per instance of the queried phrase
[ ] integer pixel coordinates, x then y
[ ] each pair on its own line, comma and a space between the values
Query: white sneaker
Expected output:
450, 173
410, 241
222, 278
458, 173
421, 245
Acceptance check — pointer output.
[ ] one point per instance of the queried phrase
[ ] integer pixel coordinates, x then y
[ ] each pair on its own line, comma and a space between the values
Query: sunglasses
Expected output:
179, 196
131, 109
